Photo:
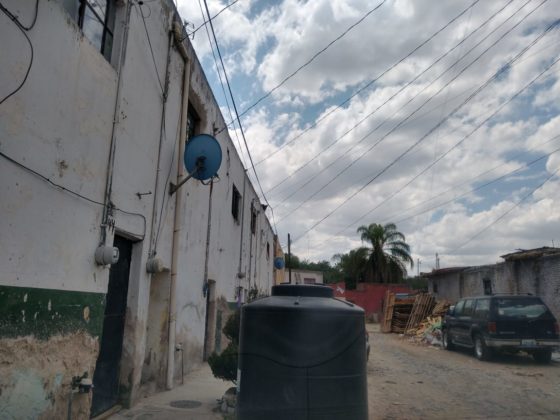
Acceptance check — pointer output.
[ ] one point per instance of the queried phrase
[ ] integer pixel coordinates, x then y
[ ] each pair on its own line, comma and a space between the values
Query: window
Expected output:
96, 19
235, 201
468, 309
268, 250
482, 308
521, 308
192, 122
253, 220
487, 283
459, 308
435, 289
308, 280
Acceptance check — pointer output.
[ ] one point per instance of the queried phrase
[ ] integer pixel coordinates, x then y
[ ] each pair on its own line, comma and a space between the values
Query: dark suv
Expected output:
502, 322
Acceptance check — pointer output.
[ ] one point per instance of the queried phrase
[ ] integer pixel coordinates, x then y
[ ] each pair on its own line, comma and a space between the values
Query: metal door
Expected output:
106, 376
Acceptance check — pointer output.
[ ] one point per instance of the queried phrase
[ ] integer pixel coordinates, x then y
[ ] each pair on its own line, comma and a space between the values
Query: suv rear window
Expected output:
521, 308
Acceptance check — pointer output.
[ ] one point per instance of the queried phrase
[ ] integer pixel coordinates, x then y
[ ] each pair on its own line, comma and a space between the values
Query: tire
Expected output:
543, 356
481, 352
446, 341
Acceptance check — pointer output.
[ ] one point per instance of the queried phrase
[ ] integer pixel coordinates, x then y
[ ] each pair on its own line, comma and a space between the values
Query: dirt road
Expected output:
410, 381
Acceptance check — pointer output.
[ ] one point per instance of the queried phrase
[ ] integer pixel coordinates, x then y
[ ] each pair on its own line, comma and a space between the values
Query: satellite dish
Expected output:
279, 263
203, 157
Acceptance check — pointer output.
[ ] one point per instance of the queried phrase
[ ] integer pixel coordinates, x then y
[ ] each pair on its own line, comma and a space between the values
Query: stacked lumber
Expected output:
423, 306
396, 312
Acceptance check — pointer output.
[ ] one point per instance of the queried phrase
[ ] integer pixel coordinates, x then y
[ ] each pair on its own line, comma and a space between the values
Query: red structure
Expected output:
369, 296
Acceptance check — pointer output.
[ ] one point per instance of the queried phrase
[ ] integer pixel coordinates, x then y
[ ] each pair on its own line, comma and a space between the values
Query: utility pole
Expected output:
418, 266
437, 261
289, 259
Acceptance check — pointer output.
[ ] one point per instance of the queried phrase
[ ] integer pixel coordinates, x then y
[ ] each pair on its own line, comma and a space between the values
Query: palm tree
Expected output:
353, 265
389, 254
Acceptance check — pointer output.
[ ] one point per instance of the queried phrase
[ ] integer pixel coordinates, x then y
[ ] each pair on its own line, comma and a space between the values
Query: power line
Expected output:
222, 83
151, 49
367, 85
486, 184
212, 18
236, 112
468, 181
308, 62
391, 98
23, 29
505, 213
402, 122
432, 164
439, 124
69, 191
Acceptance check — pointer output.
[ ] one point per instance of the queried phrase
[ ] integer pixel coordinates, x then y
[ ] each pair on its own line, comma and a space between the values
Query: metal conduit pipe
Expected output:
177, 220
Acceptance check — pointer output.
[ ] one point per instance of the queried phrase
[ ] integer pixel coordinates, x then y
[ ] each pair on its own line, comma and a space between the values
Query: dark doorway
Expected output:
106, 376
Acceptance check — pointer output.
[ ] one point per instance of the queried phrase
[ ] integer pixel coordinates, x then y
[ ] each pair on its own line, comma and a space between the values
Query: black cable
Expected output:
505, 213
402, 122
15, 18
222, 84
390, 99
367, 85
151, 49
439, 124
23, 30
74, 193
398, 216
236, 112
308, 62
212, 18
432, 164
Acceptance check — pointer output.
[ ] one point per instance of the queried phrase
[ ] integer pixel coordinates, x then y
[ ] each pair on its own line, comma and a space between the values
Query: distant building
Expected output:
90, 145
535, 271
303, 276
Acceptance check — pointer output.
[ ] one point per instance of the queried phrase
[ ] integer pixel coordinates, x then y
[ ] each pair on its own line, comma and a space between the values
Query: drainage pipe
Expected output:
177, 221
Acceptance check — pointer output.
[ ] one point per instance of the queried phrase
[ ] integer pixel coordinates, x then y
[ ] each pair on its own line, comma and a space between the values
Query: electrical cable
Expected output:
401, 123
433, 163
439, 124
222, 84
151, 49
23, 30
212, 18
236, 112
69, 191
505, 213
367, 85
399, 216
391, 98
308, 62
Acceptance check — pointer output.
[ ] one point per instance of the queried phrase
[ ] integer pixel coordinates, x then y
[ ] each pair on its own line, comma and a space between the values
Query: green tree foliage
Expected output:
389, 254
353, 266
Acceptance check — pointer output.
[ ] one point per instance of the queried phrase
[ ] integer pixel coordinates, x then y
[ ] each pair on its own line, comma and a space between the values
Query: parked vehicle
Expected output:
502, 323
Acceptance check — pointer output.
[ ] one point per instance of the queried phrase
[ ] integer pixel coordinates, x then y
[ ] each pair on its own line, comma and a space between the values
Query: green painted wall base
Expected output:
47, 312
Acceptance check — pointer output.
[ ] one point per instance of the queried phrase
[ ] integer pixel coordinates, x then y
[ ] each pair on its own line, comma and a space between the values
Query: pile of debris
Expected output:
429, 329
416, 315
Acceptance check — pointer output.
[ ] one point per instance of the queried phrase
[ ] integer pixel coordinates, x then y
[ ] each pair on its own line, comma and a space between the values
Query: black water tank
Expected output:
302, 356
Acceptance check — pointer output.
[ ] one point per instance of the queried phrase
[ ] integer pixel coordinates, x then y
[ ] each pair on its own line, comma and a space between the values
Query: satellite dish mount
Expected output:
203, 157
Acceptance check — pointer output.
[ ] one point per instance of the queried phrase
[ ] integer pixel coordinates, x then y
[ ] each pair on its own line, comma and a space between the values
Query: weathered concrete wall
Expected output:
60, 125
539, 276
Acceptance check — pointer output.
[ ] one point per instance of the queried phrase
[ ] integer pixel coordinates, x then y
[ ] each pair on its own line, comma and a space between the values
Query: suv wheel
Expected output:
480, 350
446, 340
543, 356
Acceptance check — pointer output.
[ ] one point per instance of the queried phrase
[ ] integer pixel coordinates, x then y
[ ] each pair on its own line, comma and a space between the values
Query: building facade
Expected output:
303, 276
535, 271
98, 99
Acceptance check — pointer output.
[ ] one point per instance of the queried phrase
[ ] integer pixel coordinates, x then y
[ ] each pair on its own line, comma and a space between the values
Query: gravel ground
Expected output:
413, 381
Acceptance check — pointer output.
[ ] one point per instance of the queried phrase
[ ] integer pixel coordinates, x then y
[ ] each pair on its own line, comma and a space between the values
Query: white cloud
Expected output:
266, 44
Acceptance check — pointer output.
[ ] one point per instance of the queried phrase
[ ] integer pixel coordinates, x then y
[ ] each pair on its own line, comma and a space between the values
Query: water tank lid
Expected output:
307, 290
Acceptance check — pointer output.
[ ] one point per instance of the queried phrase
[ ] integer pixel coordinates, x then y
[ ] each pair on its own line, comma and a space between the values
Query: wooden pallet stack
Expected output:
396, 312
423, 306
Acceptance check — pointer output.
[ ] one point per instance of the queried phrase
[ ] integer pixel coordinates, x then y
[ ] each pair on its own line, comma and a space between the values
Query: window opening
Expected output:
253, 220
235, 201
487, 283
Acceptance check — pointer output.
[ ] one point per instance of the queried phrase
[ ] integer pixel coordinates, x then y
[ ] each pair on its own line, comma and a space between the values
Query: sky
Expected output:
441, 117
